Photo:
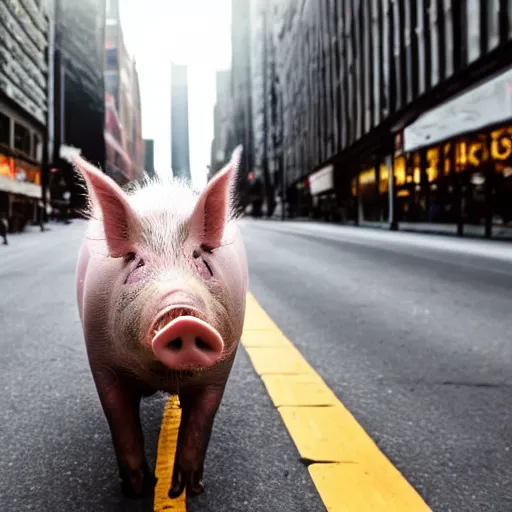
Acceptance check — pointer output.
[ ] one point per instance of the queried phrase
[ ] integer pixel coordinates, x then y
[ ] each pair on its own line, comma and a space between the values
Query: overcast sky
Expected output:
192, 32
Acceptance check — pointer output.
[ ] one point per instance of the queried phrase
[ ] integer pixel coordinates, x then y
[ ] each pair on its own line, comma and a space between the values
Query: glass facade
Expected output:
464, 180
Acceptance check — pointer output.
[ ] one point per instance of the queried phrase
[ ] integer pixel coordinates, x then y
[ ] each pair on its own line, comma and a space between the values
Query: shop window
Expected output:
22, 139
432, 164
383, 179
368, 196
417, 168
400, 171
5, 130
460, 156
447, 158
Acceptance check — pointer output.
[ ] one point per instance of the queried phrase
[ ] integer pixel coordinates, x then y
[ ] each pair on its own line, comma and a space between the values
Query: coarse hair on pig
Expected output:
171, 228
161, 201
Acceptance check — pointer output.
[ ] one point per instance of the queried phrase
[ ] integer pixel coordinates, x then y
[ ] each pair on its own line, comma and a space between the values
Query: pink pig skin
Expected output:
161, 288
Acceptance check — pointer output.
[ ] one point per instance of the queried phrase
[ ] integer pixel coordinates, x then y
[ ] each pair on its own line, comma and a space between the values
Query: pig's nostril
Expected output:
201, 345
175, 344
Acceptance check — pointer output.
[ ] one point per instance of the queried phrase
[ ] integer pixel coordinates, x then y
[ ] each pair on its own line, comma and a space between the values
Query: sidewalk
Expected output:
501, 233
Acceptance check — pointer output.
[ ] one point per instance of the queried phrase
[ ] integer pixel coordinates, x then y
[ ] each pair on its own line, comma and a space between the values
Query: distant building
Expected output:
396, 114
79, 94
222, 122
180, 157
149, 157
25, 33
123, 133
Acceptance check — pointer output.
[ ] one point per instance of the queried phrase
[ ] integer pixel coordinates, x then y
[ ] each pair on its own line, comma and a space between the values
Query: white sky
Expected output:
192, 32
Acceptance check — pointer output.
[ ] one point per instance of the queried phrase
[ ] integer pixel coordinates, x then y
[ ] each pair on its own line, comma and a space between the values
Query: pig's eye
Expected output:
133, 276
196, 254
208, 267
131, 256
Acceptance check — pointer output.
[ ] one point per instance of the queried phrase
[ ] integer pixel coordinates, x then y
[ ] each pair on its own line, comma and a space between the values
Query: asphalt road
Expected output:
412, 333
55, 449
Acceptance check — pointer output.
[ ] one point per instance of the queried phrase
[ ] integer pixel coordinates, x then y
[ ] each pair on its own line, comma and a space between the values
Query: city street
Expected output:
411, 332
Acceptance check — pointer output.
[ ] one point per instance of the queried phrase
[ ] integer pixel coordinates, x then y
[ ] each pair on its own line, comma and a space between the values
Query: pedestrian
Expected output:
40, 207
4, 226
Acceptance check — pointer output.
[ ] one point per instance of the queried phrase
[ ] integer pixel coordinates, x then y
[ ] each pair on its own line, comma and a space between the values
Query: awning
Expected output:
20, 187
483, 105
321, 181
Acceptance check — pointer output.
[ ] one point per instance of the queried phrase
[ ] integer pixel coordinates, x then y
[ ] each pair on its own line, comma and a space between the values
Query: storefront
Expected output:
323, 197
451, 168
20, 192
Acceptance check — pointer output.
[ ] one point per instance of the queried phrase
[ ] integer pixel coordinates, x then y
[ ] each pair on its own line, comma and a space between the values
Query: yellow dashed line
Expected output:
350, 472
165, 458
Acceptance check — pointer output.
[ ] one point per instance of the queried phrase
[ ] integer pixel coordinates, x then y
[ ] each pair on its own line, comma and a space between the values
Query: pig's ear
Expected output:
213, 206
119, 219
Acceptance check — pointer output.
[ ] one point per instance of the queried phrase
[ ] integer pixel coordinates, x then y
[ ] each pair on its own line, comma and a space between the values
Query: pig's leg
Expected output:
199, 407
120, 399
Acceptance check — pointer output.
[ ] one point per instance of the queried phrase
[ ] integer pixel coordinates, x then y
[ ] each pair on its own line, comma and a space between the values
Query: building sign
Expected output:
27, 172
19, 177
486, 104
321, 181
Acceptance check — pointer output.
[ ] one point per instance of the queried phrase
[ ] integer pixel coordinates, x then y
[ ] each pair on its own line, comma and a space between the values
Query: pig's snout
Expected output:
187, 342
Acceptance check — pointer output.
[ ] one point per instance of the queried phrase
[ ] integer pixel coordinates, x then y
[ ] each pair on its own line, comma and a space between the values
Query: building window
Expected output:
448, 37
37, 148
111, 85
5, 130
22, 139
435, 50
493, 28
473, 20
111, 57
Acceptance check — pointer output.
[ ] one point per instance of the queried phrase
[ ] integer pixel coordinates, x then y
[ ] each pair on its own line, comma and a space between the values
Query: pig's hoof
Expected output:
177, 486
195, 488
193, 483
138, 488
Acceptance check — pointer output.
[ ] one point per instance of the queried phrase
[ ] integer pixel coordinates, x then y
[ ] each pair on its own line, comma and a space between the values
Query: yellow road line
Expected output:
350, 472
165, 458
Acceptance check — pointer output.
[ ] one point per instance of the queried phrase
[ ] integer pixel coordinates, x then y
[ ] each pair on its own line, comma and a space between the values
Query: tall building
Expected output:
222, 123
180, 151
78, 95
149, 157
396, 114
123, 132
25, 35
241, 93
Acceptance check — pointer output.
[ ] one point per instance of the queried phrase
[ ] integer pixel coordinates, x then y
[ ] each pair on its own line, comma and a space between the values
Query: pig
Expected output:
161, 283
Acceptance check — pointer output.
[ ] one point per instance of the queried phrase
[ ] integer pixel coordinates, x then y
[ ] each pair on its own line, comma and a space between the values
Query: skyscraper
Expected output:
180, 157
149, 157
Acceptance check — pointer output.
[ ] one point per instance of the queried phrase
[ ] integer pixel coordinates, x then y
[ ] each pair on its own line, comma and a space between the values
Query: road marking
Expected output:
349, 471
165, 459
